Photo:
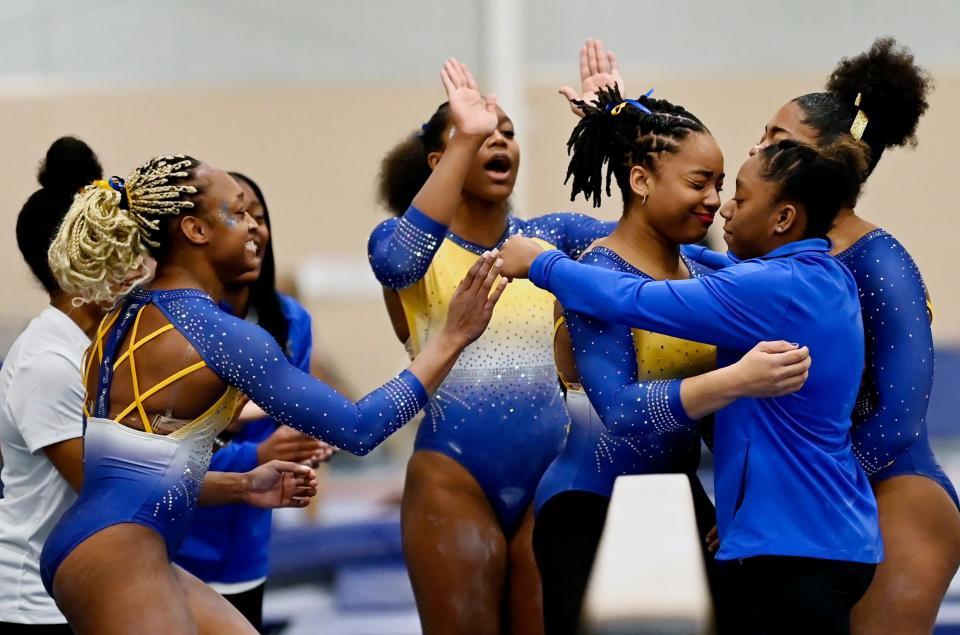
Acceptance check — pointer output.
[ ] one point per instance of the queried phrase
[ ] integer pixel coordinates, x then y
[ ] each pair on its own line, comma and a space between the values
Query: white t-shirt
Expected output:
41, 402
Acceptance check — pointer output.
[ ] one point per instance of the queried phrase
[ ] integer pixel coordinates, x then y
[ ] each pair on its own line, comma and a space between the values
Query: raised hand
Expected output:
472, 304
518, 253
280, 484
773, 369
598, 69
470, 112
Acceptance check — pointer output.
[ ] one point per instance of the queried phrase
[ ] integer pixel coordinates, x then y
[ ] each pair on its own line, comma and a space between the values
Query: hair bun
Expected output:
893, 88
69, 165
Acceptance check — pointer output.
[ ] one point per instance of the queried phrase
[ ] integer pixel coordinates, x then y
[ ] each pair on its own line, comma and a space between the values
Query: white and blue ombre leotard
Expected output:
133, 476
499, 413
787, 481
628, 419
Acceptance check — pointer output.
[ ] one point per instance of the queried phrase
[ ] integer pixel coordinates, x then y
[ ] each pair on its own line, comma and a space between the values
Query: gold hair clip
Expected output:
860, 121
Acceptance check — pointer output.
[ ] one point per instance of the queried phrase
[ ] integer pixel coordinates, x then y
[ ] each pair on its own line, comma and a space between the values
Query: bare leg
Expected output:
455, 550
210, 611
525, 597
921, 539
119, 581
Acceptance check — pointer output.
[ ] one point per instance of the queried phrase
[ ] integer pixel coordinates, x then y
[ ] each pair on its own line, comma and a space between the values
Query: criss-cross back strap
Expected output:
138, 398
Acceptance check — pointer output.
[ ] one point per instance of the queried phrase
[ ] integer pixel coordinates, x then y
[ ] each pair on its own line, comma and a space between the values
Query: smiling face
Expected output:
255, 210
683, 191
229, 233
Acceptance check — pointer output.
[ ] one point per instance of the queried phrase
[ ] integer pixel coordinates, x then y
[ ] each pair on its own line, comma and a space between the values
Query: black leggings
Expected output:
250, 603
775, 595
566, 533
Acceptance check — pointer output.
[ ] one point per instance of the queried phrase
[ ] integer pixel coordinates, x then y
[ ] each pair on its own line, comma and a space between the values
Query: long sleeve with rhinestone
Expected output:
247, 357
892, 405
570, 232
401, 249
607, 365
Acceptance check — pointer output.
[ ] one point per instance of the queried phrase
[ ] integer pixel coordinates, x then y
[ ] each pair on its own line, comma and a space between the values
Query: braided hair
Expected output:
821, 180
617, 133
98, 251
893, 94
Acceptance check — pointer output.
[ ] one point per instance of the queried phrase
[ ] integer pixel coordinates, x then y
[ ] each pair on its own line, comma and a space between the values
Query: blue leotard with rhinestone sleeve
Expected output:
889, 421
633, 422
499, 413
133, 476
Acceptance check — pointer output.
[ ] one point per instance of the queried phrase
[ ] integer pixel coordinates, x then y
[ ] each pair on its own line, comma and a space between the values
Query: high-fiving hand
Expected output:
472, 304
598, 69
470, 112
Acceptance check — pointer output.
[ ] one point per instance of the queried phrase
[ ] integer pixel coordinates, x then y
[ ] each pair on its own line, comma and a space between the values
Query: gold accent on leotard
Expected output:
128, 356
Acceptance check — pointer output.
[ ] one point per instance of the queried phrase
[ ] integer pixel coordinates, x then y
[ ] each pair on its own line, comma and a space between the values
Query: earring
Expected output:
644, 201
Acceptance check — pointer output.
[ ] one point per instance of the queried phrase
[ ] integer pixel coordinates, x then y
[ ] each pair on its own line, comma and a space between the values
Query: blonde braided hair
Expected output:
98, 252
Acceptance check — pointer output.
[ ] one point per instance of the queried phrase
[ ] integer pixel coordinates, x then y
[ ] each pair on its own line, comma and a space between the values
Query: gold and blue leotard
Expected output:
499, 413
133, 476
625, 375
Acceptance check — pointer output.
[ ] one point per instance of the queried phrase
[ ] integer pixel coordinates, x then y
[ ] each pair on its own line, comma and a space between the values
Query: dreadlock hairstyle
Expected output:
263, 291
68, 166
98, 250
893, 95
821, 180
615, 132
404, 169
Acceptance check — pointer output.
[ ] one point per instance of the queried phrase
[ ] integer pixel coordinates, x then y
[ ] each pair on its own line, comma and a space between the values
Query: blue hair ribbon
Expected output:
615, 109
117, 183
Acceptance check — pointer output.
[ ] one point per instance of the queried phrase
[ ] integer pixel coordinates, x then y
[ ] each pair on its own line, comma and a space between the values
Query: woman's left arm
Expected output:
899, 344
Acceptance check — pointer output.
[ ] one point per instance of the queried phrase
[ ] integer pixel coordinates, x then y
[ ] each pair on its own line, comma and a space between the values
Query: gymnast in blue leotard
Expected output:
166, 373
498, 420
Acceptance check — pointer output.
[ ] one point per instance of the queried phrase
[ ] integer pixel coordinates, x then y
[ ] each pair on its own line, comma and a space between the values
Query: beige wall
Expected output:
315, 151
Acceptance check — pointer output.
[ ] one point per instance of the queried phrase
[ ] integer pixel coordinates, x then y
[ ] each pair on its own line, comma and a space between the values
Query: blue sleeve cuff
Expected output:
419, 393
423, 222
680, 416
542, 266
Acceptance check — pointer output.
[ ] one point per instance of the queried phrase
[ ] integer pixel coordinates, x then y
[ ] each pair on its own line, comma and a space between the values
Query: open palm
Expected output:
598, 69
470, 112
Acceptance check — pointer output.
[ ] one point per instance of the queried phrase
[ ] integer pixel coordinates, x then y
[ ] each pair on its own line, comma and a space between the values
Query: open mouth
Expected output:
499, 167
